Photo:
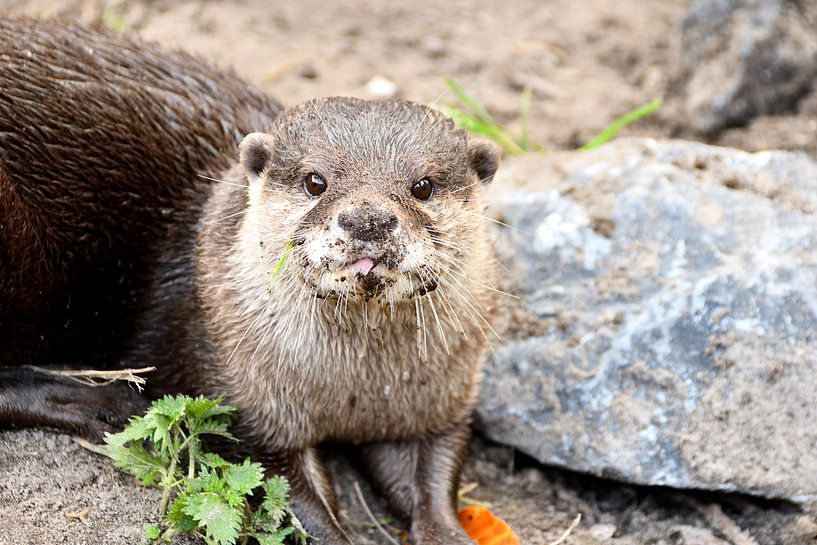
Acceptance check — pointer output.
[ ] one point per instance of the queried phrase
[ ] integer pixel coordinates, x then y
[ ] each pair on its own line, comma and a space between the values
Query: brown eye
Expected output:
314, 185
423, 189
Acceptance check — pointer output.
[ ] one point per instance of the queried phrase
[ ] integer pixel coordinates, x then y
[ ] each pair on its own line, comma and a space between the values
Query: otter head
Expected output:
372, 199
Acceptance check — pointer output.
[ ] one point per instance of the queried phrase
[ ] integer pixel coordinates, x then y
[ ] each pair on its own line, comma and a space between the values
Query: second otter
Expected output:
373, 331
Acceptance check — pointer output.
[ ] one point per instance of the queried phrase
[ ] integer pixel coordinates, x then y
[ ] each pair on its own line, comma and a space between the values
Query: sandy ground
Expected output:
587, 63
45, 478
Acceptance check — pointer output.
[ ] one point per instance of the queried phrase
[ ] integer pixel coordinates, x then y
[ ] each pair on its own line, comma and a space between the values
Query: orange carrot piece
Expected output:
486, 529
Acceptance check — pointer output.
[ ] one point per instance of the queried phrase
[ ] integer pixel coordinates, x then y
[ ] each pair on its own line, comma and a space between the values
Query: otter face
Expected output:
379, 199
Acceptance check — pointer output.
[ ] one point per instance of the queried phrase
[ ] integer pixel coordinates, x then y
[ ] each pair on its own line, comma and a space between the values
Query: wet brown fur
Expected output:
115, 250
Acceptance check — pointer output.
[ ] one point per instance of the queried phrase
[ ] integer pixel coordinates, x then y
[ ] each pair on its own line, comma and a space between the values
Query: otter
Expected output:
325, 268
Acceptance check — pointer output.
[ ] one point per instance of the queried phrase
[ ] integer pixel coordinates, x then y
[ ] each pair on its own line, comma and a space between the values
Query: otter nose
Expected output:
368, 222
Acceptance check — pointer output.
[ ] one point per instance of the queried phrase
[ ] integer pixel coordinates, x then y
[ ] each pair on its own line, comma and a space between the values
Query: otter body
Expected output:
328, 276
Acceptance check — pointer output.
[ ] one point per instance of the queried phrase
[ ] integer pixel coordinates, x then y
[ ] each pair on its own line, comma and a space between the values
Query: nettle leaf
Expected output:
276, 492
207, 481
276, 538
213, 427
212, 460
177, 518
161, 434
213, 502
245, 477
137, 461
137, 429
152, 532
219, 520
172, 407
202, 408
234, 498
273, 509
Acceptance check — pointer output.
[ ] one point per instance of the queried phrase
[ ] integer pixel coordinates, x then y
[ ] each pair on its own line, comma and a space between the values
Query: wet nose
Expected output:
368, 222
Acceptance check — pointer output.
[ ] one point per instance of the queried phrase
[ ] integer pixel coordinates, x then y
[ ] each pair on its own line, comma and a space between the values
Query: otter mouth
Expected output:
370, 273
367, 278
366, 266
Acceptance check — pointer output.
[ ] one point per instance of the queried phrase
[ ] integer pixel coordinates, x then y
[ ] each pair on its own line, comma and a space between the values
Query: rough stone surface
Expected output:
667, 328
742, 58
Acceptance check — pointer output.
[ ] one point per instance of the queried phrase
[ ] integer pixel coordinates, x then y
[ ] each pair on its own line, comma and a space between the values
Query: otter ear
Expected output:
483, 157
255, 152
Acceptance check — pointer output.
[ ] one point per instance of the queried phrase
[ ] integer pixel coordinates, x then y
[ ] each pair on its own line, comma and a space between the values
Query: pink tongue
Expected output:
362, 266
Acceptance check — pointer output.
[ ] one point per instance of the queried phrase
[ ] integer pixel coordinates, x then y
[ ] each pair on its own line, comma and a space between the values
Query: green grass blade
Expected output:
612, 129
470, 102
279, 265
492, 131
523, 118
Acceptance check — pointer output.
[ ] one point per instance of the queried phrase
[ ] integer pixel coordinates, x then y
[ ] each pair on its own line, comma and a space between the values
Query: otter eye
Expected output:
314, 185
422, 189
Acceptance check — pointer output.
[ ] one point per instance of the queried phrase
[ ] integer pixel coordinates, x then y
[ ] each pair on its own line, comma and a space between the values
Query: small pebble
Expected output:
381, 87
602, 531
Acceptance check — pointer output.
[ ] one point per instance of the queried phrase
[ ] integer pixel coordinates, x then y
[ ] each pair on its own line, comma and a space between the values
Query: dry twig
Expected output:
79, 516
569, 530
718, 520
93, 377
371, 516
462, 496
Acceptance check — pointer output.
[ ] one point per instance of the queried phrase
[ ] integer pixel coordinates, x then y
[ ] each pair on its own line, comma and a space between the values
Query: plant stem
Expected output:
191, 468
167, 485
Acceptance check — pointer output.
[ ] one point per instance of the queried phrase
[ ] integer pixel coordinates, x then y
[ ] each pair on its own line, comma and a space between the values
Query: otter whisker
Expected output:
468, 303
463, 188
234, 184
262, 339
226, 284
434, 312
478, 182
464, 273
346, 301
417, 318
338, 303
238, 344
447, 305
450, 257
458, 249
425, 330
465, 250
241, 213
303, 317
291, 323
431, 108
454, 263
454, 278
498, 222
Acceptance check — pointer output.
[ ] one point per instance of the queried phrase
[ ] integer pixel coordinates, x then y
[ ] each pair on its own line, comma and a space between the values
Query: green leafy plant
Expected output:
612, 129
201, 492
472, 116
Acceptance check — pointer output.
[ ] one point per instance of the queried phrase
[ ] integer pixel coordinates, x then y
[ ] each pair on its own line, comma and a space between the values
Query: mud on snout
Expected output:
366, 248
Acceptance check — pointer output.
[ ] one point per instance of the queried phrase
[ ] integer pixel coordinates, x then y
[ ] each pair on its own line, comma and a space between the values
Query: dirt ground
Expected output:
587, 63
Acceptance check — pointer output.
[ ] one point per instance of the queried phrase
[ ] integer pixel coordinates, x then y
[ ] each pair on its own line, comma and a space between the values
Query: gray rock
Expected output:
667, 329
742, 58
